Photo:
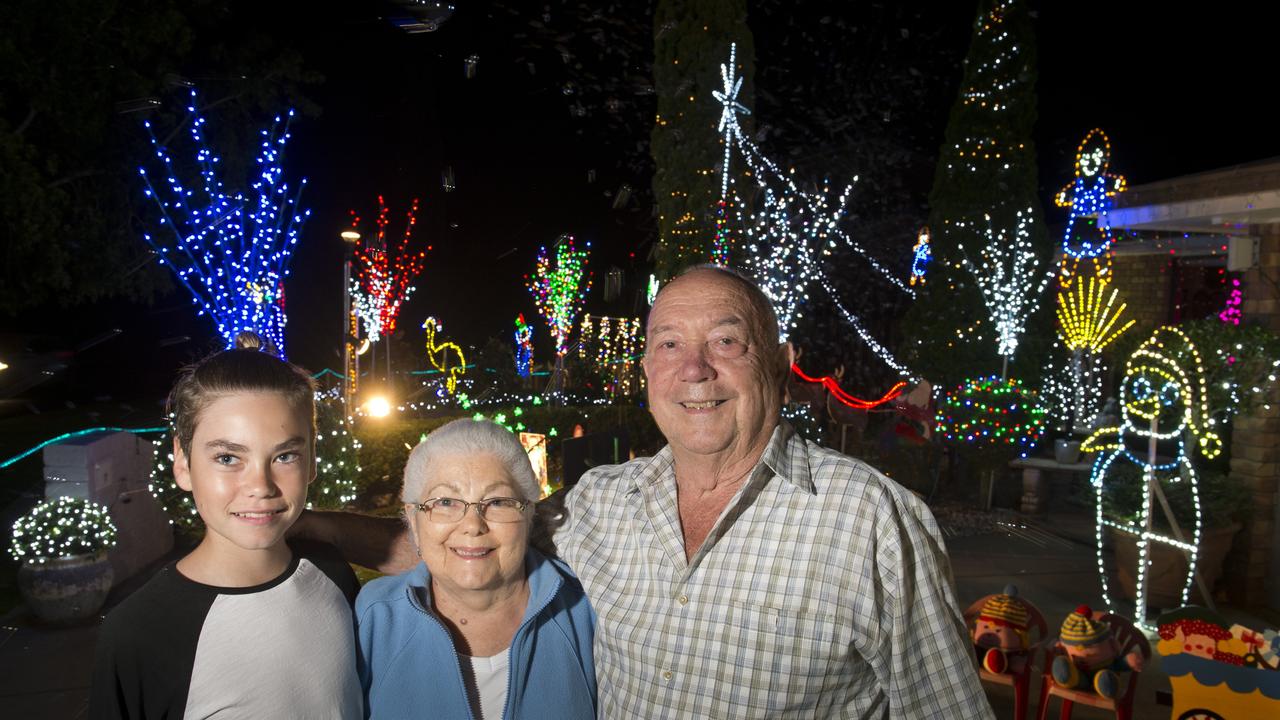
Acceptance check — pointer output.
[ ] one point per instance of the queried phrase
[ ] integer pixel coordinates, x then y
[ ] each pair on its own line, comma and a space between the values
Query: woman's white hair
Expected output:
469, 437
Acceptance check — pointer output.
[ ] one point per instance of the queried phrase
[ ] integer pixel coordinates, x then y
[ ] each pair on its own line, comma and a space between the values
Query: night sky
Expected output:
1177, 93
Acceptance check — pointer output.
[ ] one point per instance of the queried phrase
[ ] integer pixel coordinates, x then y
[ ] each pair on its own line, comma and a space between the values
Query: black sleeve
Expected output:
146, 650
331, 563
115, 679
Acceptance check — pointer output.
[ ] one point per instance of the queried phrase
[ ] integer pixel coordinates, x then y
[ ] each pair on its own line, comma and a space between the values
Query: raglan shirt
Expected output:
285, 649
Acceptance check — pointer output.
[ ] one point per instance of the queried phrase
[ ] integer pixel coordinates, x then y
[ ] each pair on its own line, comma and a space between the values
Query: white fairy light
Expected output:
1009, 276
786, 237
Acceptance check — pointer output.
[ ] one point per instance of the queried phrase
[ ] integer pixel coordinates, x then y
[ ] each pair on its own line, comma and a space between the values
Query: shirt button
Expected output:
683, 599
666, 675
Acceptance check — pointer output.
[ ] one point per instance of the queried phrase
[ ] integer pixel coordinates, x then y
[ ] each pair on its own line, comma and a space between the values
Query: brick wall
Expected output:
1252, 573
1144, 283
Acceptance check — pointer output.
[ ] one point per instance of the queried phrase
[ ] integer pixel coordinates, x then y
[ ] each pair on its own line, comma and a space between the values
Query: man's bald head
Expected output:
766, 330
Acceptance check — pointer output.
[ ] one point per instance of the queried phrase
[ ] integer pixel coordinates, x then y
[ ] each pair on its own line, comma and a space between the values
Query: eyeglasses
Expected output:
450, 510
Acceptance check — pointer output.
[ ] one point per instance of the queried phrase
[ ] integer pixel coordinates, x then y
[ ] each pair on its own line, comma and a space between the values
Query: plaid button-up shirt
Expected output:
823, 590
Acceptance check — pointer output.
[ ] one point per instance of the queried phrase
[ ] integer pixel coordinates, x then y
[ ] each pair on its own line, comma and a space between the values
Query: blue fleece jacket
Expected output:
409, 667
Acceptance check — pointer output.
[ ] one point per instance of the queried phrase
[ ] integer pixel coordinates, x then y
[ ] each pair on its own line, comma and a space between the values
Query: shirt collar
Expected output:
784, 455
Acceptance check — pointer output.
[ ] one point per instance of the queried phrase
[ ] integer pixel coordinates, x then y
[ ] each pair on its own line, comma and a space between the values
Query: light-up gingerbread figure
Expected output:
1086, 244
1162, 398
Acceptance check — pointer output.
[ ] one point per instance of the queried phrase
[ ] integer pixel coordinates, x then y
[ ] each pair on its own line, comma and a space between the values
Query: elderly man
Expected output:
745, 572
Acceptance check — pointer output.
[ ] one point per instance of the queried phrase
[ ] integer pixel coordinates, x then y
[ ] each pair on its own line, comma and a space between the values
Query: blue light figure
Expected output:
922, 254
524, 347
1089, 195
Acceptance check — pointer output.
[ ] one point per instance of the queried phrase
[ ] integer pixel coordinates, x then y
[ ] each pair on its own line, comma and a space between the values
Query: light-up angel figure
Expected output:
920, 256
1089, 195
1163, 403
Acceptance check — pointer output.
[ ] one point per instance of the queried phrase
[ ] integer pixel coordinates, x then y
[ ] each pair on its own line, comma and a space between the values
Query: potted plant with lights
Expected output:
991, 420
62, 544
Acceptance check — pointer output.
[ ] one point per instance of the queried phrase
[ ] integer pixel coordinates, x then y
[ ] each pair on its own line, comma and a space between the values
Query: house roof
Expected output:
1218, 202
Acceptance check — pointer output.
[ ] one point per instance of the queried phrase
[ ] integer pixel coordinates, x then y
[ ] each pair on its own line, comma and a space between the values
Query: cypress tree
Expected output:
691, 40
986, 167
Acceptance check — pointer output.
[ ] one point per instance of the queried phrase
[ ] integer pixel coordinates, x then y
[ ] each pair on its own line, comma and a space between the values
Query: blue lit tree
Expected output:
229, 249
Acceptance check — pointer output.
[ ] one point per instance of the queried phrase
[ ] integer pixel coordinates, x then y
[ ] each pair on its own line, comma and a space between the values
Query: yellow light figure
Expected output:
1089, 196
1160, 399
1086, 321
452, 371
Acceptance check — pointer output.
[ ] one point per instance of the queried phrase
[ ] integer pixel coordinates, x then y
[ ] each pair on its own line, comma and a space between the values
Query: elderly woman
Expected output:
485, 626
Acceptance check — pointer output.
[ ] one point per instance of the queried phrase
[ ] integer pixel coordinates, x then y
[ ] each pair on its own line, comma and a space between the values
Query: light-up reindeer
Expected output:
1160, 399
1089, 194
451, 370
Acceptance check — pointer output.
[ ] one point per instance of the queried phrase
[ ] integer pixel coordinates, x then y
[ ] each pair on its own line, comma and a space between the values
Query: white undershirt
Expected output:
487, 686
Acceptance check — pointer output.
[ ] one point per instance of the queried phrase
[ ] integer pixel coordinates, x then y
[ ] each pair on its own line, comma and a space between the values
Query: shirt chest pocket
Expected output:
782, 658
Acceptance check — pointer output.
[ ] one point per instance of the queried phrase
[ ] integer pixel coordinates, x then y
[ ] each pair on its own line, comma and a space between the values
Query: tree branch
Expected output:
26, 122
72, 177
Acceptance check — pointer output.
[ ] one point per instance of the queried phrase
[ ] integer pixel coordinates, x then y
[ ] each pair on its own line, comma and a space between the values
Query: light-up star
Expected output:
730, 107
728, 96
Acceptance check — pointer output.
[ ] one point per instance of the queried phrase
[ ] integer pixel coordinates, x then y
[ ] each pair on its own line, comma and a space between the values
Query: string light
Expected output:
881, 351
230, 251
337, 456
67, 436
1231, 313
1007, 274
383, 282
1156, 387
920, 256
524, 347
60, 528
614, 349
786, 237
337, 465
1089, 195
451, 371
559, 287
1086, 321
854, 402
990, 412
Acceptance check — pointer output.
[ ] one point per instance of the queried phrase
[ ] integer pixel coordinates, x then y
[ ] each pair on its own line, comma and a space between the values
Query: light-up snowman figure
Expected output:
1088, 235
1162, 398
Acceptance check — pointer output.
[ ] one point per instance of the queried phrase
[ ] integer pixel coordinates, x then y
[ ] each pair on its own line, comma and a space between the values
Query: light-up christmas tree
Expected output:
986, 168
385, 275
230, 249
559, 285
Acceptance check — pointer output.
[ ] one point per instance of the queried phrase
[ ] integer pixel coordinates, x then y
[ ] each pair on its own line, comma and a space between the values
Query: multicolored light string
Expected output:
230, 250
990, 412
384, 278
559, 285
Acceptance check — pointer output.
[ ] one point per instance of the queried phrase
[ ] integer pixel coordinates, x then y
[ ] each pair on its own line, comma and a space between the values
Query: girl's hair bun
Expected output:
246, 340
